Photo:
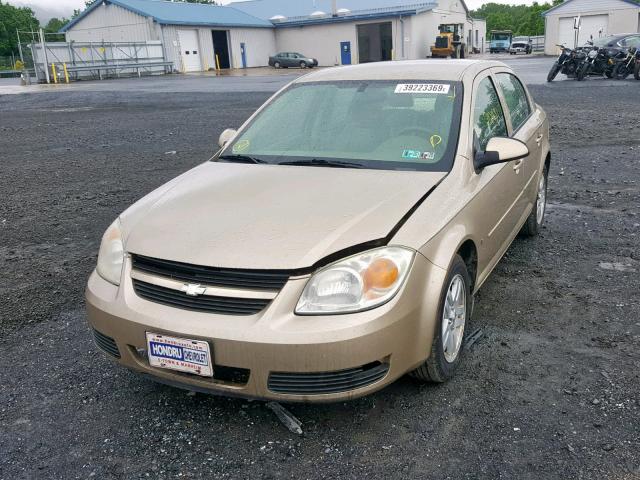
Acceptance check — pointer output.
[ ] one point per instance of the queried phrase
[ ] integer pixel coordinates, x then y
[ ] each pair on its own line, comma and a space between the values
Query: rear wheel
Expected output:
534, 223
277, 65
553, 73
453, 313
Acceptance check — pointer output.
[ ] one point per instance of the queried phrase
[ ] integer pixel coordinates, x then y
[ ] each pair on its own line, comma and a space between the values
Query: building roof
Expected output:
544, 14
303, 8
181, 13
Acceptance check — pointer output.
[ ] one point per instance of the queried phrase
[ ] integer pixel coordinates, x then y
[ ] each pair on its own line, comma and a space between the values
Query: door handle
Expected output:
517, 164
539, 139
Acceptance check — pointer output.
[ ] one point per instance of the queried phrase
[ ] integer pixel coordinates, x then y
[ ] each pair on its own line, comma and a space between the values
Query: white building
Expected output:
198, 37
598, 18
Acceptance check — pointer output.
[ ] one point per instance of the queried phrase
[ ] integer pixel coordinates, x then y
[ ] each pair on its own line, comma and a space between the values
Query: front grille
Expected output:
203, 303
212, 276
327, 382
106, 344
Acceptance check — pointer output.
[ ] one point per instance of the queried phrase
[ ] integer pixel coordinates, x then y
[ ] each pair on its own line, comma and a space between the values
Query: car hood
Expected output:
270, 216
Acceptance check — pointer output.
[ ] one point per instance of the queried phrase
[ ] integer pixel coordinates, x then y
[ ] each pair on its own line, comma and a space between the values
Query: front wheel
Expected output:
535, 220
582, 72
303, 64
453, 313
553, 73
620, 71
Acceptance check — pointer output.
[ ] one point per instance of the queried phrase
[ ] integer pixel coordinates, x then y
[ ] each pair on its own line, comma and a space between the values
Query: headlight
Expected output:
357, 283
111, 255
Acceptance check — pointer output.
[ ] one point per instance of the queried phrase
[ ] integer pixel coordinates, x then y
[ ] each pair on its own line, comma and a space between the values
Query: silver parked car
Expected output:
292, 59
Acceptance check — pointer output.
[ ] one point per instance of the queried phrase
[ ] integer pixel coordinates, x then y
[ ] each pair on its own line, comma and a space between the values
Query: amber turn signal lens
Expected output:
382, 273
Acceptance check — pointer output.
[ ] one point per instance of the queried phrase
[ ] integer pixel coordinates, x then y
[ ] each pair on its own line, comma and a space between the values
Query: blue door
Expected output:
345, 53
243, 52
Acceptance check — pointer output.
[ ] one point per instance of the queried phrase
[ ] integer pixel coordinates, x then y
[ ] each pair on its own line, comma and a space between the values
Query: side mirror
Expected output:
226, 137
500, 150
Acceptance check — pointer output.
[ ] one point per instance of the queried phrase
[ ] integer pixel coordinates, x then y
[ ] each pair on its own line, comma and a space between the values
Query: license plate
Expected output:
181, 354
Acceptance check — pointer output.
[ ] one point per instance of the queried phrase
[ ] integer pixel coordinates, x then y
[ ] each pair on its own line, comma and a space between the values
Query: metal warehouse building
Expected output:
598, 18
198, 37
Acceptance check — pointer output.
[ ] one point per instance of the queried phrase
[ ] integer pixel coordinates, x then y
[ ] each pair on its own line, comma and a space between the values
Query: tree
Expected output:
53, 27
12, 19
522, 19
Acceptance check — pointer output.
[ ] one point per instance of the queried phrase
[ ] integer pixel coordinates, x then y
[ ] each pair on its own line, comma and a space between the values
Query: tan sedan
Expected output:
335, 241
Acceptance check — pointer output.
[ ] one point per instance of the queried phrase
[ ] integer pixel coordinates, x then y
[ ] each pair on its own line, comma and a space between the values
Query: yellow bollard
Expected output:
66, 73
217, 62
55, 74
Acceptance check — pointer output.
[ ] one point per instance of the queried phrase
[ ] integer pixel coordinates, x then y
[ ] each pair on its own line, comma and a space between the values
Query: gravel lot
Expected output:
550, 391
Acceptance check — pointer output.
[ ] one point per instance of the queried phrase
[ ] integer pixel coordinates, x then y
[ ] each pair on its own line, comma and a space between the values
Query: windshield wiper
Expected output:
240, 159
316, 162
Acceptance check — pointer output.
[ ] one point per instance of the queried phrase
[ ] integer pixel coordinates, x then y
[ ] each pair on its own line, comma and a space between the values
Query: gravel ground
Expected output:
550, 391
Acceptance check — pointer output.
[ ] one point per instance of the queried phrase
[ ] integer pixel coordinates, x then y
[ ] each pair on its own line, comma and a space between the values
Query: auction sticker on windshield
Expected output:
181, 354
422, 88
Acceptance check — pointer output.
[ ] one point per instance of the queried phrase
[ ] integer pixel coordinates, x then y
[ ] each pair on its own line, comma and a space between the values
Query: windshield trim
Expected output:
446, 162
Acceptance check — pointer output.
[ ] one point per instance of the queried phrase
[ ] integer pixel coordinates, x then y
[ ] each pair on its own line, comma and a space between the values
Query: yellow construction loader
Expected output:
449, 42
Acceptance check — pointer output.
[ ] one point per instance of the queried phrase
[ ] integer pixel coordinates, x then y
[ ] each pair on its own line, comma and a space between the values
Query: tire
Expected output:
277, 65
303, 64
636, 70
608, 73
553, 73
462, 53
441, 365
582, 72
534, 222
620, 71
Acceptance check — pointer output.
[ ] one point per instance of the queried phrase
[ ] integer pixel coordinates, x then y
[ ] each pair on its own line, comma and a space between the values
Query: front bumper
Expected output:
366, 350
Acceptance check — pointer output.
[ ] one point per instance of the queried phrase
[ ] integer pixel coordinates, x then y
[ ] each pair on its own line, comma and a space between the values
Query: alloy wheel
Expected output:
542, 199
454, 316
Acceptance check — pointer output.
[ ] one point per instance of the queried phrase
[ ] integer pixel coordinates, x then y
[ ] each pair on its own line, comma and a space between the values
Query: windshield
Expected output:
500, 36
370, 124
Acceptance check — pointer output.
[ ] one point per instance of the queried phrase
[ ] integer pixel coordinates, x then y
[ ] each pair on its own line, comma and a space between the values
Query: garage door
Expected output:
591, 26
189, 50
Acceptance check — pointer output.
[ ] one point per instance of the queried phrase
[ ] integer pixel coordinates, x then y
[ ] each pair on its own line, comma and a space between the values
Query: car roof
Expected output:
452, 70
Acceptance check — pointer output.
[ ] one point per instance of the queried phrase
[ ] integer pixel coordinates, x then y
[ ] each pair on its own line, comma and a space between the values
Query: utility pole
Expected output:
20, 46
44, 51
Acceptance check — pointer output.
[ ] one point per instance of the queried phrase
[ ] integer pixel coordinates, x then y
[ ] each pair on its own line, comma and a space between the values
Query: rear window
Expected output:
399, 125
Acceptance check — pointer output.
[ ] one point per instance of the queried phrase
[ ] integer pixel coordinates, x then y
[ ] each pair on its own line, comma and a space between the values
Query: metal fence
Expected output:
64, 61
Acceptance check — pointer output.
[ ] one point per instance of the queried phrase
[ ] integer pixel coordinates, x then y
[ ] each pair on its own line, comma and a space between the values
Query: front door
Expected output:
499, 186
345, 53
526, 126
243, 52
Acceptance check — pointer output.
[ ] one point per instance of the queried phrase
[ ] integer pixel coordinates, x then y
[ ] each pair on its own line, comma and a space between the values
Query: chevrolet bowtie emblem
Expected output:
193, 289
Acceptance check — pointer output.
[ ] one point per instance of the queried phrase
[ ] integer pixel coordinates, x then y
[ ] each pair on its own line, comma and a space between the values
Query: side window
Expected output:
515, 97
488, 117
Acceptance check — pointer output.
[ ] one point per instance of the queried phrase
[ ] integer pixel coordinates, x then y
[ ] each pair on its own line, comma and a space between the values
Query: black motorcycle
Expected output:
625, 64
597, 62
567, 63
636, 68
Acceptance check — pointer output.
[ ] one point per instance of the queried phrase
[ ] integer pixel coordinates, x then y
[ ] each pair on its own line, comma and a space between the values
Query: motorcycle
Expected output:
636, 68
625, 64
597, 62
567, 63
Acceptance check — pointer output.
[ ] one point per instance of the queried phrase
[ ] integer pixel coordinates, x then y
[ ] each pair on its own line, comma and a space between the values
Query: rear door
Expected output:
525, 124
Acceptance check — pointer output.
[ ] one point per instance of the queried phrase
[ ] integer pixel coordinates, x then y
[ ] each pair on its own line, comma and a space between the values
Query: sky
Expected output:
45, 9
